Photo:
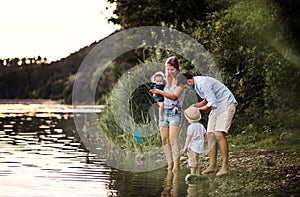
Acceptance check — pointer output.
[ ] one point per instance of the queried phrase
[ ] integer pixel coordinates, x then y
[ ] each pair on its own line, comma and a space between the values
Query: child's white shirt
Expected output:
197, 131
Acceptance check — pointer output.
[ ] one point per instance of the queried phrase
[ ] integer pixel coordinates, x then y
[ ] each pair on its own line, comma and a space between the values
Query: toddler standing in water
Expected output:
194, 144
159, 83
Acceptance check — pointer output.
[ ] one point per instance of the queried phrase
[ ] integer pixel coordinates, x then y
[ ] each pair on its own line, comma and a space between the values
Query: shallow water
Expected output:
40, 155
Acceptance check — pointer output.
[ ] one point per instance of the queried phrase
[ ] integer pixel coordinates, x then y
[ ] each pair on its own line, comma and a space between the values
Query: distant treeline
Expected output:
35, 78
13, 62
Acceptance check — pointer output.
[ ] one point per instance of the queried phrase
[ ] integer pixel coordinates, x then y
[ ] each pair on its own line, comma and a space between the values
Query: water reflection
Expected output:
204, 186
41, 155
170, 184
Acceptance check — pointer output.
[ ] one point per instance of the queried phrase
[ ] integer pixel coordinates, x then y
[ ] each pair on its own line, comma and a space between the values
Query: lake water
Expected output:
40, 155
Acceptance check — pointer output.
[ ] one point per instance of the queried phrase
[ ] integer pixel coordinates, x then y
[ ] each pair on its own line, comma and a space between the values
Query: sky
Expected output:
52, 29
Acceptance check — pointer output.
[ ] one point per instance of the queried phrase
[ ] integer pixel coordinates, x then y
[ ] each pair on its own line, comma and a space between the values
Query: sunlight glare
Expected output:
51, 28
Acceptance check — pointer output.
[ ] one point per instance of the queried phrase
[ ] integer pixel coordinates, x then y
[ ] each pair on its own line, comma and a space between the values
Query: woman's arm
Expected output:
173, 97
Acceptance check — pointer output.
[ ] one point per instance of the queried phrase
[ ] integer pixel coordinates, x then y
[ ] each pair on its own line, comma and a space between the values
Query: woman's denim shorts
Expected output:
171, 118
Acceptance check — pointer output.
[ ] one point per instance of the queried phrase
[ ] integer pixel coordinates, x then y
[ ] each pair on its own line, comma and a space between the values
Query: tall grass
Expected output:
130, 107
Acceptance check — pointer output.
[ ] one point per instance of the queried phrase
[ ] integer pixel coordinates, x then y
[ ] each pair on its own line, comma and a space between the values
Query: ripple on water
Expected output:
41, 156
38, 159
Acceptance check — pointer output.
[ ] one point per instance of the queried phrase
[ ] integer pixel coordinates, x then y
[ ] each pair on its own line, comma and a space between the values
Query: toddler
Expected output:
194, 144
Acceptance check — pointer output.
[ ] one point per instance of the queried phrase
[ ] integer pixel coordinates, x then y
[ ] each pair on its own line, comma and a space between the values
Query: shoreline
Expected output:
27, 101
51, 107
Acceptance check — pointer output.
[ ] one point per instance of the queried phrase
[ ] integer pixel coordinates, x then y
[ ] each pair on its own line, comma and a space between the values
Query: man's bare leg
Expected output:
224, 153
212, 145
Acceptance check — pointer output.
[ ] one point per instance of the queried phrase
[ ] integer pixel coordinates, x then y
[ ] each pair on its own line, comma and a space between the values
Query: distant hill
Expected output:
34, 78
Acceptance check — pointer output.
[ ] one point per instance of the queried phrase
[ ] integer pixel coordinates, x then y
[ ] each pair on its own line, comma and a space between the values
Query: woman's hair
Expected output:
172, 61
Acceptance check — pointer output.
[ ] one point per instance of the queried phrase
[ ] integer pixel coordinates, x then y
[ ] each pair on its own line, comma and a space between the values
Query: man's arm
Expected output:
202, 106
205, 108
201, 103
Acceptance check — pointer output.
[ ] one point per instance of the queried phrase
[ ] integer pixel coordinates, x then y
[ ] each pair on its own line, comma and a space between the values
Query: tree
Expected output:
179, 14
250, 41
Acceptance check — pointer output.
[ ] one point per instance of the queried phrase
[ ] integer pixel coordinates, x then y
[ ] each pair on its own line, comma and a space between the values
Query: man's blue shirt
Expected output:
214, 92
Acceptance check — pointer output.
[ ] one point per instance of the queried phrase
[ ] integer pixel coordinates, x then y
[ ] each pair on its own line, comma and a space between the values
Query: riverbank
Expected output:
267, 165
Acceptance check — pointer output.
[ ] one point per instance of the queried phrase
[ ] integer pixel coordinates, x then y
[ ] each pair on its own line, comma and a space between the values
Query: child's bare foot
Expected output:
209, 170
222, 172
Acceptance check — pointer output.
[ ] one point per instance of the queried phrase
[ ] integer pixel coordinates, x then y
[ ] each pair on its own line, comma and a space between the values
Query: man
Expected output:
218, 99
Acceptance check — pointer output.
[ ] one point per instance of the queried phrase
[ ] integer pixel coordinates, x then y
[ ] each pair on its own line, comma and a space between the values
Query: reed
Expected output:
130, 107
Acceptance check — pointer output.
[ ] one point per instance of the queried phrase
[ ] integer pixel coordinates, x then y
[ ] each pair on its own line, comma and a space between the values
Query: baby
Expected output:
159, 83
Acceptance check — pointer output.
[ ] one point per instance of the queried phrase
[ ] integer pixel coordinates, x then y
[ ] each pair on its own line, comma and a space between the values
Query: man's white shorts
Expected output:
223, 121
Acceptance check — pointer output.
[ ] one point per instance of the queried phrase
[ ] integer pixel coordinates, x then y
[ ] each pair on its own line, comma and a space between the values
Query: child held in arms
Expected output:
194, 143
159, 83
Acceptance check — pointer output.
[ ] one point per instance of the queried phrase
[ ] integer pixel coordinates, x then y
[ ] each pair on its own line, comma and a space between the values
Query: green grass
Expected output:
128, 110
268, 139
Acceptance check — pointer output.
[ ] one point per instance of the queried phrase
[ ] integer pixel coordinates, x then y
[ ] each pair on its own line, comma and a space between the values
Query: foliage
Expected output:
125, 138
254, 43
247, 64
127, 110
267, 138
249, 42
174, 14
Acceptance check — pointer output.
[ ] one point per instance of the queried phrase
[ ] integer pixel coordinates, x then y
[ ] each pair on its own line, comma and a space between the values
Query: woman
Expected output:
172, 113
